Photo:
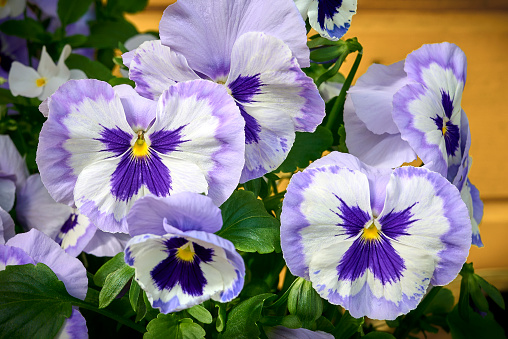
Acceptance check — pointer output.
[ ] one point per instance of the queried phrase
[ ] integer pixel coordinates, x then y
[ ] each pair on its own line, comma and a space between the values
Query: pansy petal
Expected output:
264, 75
47, 67
75, 234
139, 111
331, 19
86, 124
155, 67
185, 211
281, 332
323, 207
216, 26
6, 226
471, 196
211, 131
178, 272
378, 150
104, 244
136, 40
17, 7
74, 327
10, 255
12, 164
77, 74
36, 209
438, 220
303, 7
23, 81
43, 249
373, 93
7, 193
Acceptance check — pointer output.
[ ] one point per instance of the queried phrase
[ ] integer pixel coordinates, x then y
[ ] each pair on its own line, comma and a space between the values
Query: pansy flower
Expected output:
72, 230
330, 18
11, 8
35, 247
28, 82
372, 240
179, 262
281, 332
257, 61
102, 148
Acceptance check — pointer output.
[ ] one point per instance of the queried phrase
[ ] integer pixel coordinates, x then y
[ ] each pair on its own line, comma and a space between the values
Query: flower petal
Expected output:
43, 249
104, 244
12, 164
214, 27
74, 327
86, 123
185, 211
471, 196
10, 255
331, 19
22, 81
6, 226
155, 67
7, 189
139, 111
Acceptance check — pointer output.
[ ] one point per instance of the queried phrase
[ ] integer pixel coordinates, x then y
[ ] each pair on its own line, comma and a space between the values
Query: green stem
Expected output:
333, 122
411, 319
114, 316
283, 298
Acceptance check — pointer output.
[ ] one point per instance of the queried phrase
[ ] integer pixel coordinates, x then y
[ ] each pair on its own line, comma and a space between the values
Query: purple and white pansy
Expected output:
372, 240
330, 18
72, 230
35, 247
102, 148
179, 262
256, 61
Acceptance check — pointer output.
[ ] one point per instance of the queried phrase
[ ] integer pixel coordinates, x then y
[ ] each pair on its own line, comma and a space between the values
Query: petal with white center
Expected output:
25, 81
155, 67
215, 26
86, 123
185, 211
43, 249
331, 19
180, 271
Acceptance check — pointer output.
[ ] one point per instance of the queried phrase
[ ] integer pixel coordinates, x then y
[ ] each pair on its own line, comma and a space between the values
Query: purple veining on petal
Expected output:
187, 274
353, 218
447, 103
395, 224
165, 141
451, 134
377, 255
116, 140
132, 172
243, 89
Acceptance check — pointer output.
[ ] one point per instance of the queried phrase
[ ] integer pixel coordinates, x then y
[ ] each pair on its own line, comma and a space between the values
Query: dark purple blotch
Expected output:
243, 90
326, 10
187, 274
452, 135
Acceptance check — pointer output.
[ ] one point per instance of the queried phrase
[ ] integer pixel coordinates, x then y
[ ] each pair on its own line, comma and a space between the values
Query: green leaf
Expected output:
257, 186
200, 314
33, 302
379, 335
463, 305
112, 265
304, 302
221, 317
243, 317
476, 327
477, 295
70, 11
92, 69
121, 81
248, 225
168, 326
137, 301
75, 40
129, 6
114, 284
107, 34
492, 291
442, 303
327, 53
347, 326
307, 147
28, 29
6, 97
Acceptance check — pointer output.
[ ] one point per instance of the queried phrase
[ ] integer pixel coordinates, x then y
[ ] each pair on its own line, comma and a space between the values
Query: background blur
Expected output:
388, 31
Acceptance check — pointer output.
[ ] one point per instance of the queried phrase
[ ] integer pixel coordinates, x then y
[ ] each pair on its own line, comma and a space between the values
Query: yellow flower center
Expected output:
371, 233
140, 147
41, 81
444, 129
185, 253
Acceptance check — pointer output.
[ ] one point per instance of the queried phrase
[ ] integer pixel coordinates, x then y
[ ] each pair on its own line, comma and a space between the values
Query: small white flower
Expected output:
11, 8
28, 82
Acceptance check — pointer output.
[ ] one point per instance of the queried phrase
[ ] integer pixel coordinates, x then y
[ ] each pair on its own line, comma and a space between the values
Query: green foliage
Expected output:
307, 147
201, 314
247, 224
136, 298
242, 319
107, 34
304, 302
347, 326
28, 29
379, 335
70, 11
114, 284
33, 302
170, 326
476, 325
92, 69
110, 266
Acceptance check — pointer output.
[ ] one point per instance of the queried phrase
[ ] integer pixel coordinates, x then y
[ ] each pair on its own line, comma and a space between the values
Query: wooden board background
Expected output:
390, 29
